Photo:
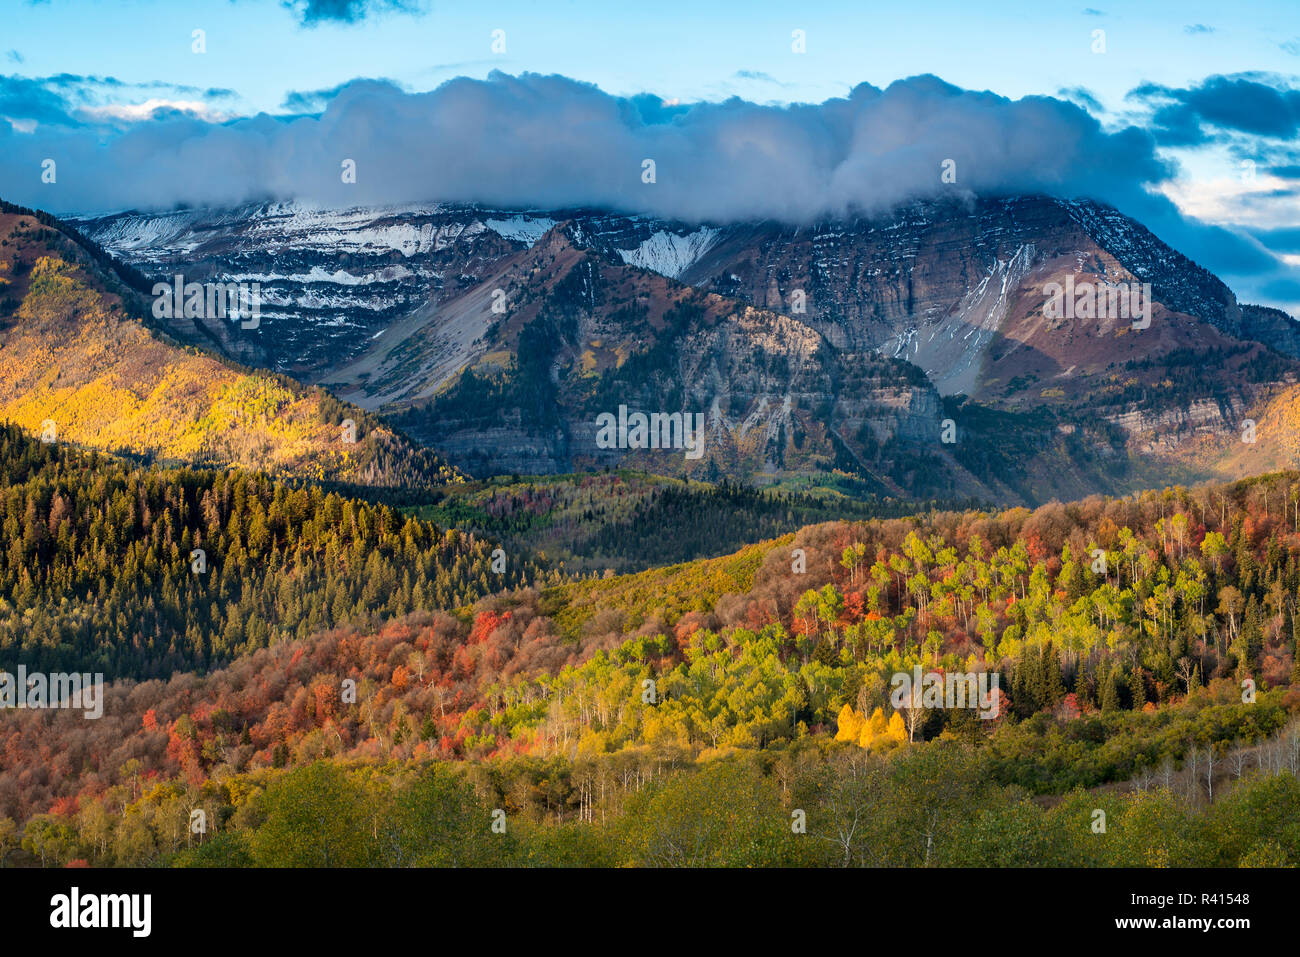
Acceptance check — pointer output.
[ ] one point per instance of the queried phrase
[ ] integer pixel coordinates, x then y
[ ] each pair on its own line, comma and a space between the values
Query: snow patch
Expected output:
670, 254
521, 229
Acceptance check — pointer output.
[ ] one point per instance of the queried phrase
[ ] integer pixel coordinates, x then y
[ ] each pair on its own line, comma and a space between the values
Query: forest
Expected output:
810, 806
628, 521
144, 571
1145, 649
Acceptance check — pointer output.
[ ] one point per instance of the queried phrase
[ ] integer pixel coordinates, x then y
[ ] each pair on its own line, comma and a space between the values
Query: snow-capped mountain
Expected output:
929, 283
391, 307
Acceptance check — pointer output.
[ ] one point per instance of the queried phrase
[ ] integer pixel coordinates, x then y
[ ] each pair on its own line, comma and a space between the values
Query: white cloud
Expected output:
136, 112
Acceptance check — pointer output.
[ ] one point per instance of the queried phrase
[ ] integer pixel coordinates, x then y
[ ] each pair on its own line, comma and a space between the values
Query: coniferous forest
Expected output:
140, 572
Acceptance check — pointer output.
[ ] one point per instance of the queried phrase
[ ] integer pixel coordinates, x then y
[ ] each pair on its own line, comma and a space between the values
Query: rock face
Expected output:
583, 335
500, 336
929, 283
330, 280
934, 283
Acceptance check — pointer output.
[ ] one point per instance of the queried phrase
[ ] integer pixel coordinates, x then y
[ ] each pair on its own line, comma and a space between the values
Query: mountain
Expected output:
79, 364
500, 337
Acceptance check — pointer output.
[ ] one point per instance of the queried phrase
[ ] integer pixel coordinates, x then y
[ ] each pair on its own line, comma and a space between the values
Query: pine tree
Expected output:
1109, 691
1137, 688
1053, 682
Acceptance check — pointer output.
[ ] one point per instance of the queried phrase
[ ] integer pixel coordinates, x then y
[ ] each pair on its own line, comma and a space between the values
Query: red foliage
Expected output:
854, 606
1069, 709
486, 623
64, 806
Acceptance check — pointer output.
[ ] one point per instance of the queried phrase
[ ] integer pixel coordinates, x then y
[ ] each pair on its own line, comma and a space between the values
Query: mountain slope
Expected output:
788, 354
583, 334
74, 362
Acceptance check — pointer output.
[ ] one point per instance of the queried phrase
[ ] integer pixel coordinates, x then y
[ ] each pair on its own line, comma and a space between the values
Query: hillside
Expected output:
626, 521
144, 572
76, 360
1107, 673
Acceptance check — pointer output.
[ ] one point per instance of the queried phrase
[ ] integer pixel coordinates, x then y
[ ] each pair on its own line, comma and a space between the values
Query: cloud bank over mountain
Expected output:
553, 142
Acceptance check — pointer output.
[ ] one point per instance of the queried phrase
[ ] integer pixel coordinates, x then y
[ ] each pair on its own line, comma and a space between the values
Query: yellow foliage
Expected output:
874, 729
897, 731
870, 732
850, 724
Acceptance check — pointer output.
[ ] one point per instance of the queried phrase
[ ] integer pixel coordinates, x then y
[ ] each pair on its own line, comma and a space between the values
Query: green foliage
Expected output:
628, 521
315, 816
929, 806
96, 572
727, 814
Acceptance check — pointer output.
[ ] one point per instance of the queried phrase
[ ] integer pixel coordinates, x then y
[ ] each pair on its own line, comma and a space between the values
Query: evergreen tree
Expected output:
1137, 688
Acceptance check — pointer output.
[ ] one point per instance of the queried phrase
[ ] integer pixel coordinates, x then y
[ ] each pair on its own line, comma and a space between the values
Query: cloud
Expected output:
535, 140
312, 13
1283, 289
72, 100
1254, 104
551, 142
1283, 240
152, 109
1082, 96
758, 76
1196, 28
34, 101
313, 101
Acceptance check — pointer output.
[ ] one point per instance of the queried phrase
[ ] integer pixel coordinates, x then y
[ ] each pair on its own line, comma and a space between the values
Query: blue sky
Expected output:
1209, 85
690, 50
